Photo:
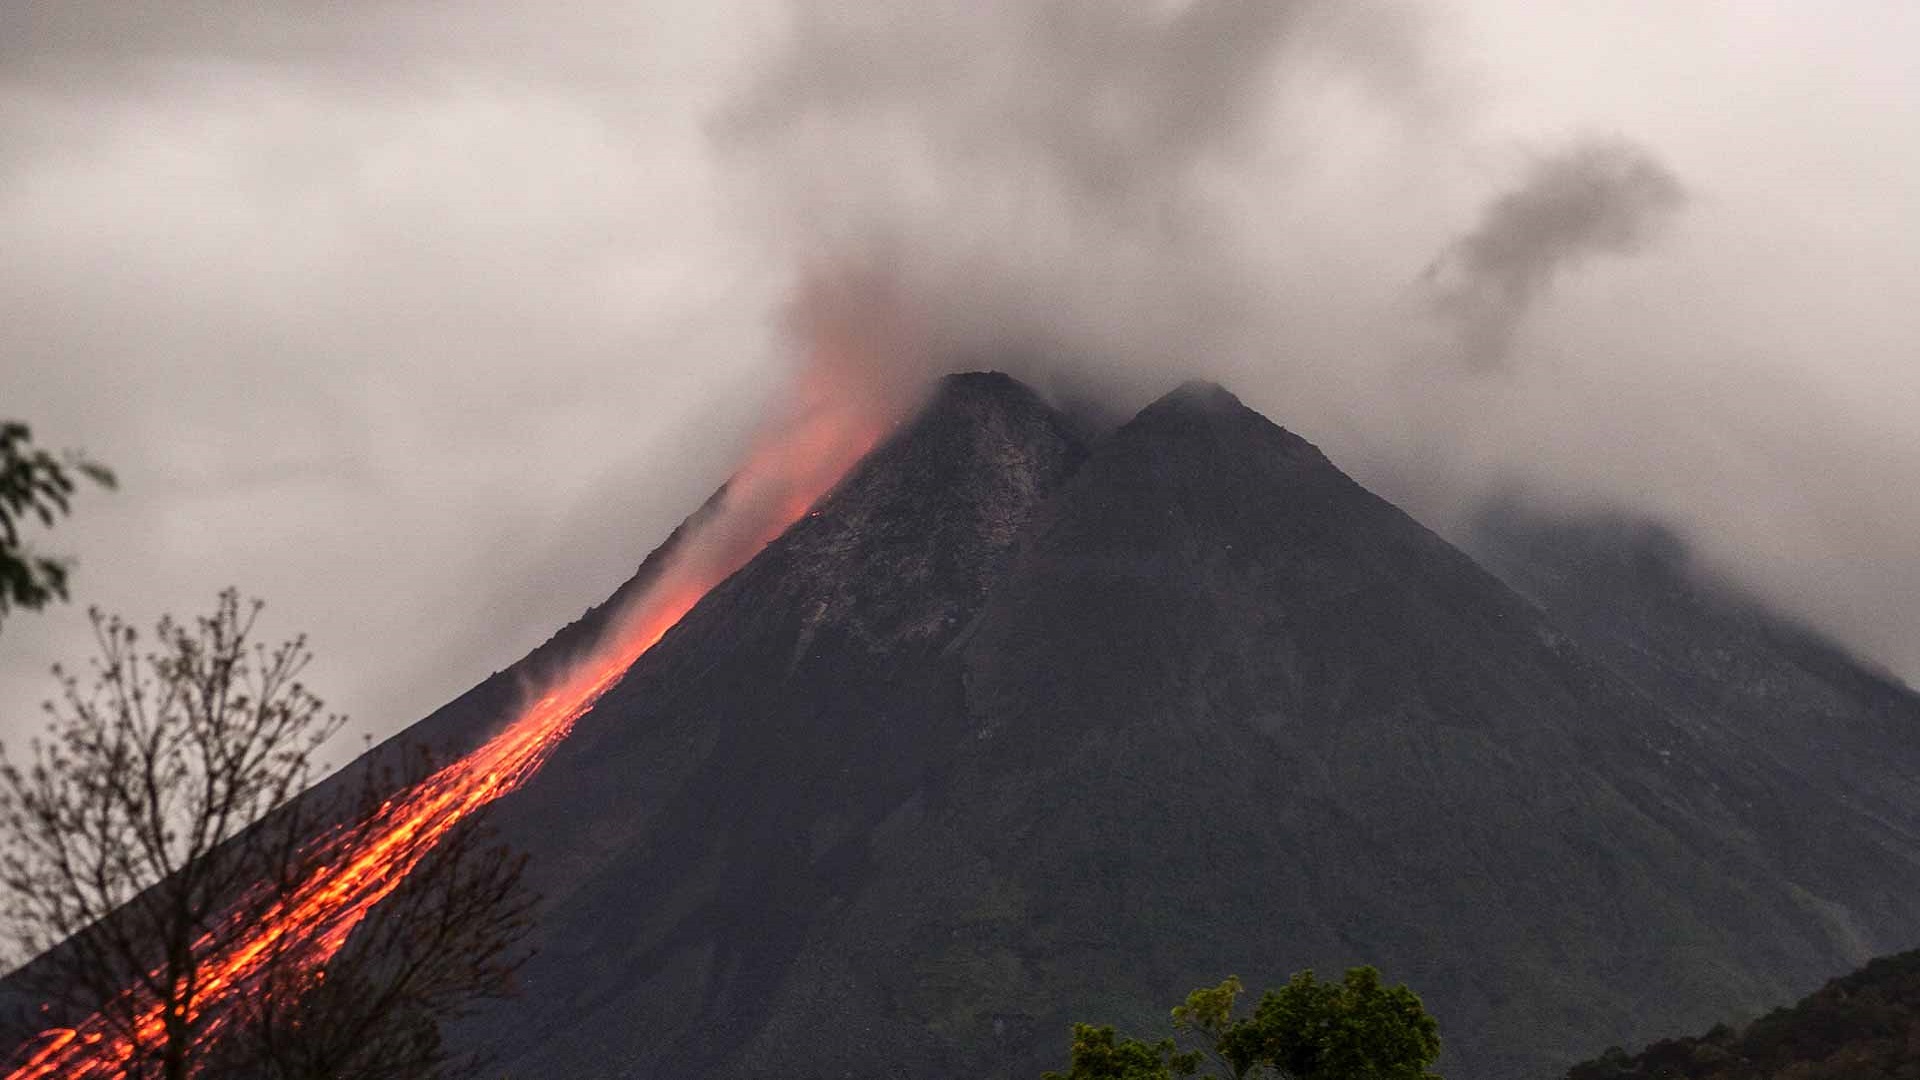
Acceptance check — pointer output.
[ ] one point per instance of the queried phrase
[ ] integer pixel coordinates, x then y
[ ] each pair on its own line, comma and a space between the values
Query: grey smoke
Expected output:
1111, 105
1035, 182
1596, 197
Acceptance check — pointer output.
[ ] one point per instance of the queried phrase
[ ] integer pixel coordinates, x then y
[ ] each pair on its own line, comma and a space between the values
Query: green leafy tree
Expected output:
35, 484
1099, 1054
1355, 1029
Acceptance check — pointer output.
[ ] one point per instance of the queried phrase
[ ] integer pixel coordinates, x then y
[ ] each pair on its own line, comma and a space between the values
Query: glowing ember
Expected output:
361, 866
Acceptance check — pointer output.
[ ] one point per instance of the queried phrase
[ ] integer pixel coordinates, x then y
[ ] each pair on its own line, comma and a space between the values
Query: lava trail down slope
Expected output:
356, 867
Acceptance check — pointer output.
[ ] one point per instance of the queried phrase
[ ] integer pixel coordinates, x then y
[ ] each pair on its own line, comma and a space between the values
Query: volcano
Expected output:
1027, 722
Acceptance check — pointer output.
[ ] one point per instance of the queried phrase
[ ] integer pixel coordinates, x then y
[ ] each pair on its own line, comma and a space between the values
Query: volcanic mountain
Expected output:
1025, 724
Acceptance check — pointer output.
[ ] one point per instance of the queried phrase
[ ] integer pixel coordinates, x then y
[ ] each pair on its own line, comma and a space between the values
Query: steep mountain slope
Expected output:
1246, 716
717, 806
1015, 731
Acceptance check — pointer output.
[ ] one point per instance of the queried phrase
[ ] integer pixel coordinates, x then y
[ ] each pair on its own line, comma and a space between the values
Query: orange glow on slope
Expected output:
784, 477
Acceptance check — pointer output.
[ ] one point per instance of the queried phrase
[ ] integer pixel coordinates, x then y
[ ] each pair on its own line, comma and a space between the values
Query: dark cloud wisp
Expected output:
1597, 197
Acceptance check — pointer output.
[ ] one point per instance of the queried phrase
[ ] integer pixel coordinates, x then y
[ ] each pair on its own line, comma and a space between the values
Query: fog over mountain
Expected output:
427, 325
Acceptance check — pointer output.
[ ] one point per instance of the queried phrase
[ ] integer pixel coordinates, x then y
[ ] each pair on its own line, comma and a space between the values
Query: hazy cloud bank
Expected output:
426, 325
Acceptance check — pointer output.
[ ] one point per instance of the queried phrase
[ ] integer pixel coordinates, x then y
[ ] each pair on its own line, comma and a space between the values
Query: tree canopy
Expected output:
1862, 1026
35, 485
1355, 1029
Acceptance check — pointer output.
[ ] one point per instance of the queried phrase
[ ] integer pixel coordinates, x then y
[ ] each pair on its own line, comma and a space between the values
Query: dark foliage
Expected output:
35, 485
1098, 1053
1863, 1026
1355, 1029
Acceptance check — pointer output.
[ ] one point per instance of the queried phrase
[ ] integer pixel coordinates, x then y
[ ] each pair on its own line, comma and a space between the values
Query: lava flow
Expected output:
361, 866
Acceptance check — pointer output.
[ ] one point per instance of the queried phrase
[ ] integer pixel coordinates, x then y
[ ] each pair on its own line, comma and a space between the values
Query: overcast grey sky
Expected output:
427, 322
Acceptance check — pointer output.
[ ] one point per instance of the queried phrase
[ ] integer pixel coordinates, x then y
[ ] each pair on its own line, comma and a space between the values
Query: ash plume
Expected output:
1033, 182
1597, 197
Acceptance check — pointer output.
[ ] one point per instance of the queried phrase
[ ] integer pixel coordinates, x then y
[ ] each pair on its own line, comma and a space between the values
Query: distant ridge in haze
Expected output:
1824, 751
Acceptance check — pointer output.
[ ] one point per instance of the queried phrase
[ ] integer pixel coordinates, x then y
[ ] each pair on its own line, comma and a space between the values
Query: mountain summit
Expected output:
1022, 726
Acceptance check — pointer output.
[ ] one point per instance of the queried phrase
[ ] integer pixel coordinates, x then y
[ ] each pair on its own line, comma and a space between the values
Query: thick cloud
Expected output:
426, 323
425, 328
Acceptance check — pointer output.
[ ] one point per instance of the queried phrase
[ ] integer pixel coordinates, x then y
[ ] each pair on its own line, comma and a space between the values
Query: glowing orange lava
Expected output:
781, 481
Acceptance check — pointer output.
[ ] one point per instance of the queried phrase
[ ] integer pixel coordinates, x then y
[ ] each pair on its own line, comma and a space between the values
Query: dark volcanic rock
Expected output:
1016, 731
1234, 713
715, 814
1821, 749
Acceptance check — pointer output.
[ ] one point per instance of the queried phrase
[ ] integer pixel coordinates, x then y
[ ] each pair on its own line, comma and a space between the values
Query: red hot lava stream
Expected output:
361, 866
